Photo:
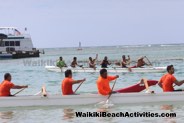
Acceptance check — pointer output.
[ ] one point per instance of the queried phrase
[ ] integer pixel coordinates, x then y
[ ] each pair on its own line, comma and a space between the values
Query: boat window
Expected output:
17, 43
1, 43
7, 43
12, 43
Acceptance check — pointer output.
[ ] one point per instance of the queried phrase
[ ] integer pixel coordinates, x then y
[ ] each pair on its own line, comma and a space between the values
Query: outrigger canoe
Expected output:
111, 70
125, 95
91, 99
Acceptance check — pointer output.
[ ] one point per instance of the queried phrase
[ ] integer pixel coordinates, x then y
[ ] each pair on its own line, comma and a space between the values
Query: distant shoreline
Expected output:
125, 46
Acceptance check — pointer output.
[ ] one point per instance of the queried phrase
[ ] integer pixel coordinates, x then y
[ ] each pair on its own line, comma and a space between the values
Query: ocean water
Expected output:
31, 71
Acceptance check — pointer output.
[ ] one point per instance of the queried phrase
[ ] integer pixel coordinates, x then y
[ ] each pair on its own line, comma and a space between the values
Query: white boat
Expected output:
16, 44
92, 99
111, 70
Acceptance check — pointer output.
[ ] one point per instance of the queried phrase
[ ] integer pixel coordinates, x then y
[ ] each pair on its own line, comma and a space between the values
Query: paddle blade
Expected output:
108, 105
104, 104
100, 104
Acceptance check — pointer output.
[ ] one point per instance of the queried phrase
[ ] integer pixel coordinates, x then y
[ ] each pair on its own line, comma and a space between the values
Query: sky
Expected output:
63, 23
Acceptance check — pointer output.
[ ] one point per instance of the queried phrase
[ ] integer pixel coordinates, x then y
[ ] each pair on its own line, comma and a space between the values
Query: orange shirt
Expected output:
167, 82
103, 85
5, 87
67, 86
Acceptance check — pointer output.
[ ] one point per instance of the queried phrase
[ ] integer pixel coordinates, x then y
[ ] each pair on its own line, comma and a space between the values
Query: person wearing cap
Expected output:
168, 81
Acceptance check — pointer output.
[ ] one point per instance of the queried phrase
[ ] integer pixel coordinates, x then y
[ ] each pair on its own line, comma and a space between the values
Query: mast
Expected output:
80, 47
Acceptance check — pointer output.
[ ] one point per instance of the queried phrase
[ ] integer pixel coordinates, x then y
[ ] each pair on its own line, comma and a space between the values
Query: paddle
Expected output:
106, 105
18, 91
148, 60
78, 87
111, 93
37, 93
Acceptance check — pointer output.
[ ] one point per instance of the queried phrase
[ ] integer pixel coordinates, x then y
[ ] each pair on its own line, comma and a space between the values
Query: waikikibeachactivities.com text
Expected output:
123, 114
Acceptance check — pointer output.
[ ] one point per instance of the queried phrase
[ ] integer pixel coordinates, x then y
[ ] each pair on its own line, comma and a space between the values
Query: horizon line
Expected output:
110, 45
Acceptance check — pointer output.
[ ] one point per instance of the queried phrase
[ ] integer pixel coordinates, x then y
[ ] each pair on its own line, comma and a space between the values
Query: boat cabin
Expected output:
16, 44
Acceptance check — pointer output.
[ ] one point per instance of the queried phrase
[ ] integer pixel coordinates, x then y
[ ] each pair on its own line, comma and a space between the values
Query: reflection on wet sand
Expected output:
68, 113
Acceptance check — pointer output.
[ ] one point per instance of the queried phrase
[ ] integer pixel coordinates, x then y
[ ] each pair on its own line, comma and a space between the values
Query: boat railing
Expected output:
14, 32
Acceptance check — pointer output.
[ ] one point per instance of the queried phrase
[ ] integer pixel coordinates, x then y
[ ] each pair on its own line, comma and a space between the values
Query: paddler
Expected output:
68, 82
103, 82
128, 60
140, 62
74, 63
7, 85
168, 80
124, 62
61, 63
92, 62
105, 62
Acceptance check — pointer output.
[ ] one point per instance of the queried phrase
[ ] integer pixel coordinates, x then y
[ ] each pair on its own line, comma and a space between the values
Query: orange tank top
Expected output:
5, 87
103, 85
67, 86
167, 82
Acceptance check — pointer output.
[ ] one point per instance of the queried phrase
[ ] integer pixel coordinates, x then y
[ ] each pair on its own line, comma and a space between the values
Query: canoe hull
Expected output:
87, 99
111, 70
